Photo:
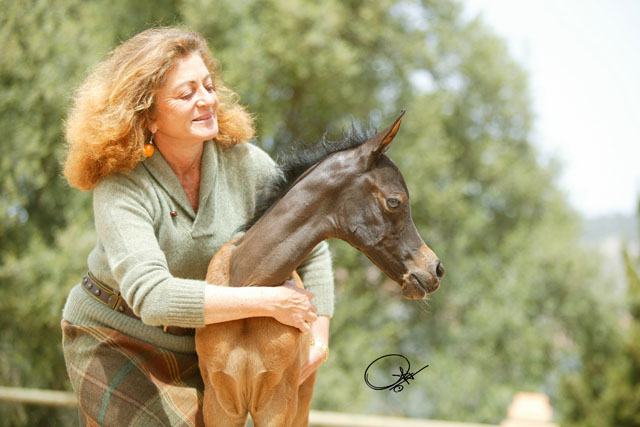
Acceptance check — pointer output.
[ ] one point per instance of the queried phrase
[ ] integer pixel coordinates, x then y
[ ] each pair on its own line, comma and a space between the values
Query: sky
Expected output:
583, 59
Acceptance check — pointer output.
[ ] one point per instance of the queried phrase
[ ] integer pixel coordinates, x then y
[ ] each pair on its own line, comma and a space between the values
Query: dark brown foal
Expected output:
355, 194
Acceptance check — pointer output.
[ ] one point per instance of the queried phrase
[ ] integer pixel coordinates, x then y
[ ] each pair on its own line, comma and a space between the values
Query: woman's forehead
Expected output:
187, 70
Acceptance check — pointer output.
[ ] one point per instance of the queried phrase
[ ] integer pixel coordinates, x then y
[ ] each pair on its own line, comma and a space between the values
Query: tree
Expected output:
46, 233
479, 193
517, 290
605, 387
520, 295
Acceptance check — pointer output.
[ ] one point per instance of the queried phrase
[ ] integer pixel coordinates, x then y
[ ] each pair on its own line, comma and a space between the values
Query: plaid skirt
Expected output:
121, 381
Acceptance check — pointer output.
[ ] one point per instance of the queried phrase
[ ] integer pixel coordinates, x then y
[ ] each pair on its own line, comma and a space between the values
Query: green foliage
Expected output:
517, 289
606, 391
305, 66
519, 305
30, 314
46, 232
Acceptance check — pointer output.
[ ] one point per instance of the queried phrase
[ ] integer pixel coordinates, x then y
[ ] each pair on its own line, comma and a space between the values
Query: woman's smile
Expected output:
208, 117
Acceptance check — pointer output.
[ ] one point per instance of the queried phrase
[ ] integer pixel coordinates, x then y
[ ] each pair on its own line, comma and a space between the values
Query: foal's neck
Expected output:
269, 252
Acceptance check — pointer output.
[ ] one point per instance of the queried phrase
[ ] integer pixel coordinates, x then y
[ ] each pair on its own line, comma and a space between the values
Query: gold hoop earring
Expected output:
148, 148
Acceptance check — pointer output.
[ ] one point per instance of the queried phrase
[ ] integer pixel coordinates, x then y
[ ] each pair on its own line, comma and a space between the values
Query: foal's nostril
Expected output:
440, 270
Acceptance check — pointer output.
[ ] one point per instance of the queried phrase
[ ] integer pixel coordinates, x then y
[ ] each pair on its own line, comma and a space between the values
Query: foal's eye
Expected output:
393, 203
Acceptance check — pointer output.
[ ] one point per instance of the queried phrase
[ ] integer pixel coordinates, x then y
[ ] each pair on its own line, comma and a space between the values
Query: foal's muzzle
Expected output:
424, 276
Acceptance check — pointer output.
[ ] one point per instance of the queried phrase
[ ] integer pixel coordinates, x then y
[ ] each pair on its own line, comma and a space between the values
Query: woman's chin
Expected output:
207, 133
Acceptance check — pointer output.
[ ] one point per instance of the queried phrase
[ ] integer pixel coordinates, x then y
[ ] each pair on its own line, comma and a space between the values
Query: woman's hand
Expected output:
319, 349
292, 306
286, 303
317, 357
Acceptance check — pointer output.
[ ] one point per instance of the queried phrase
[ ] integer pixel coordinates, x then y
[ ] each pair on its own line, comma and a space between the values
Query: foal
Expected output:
355, 193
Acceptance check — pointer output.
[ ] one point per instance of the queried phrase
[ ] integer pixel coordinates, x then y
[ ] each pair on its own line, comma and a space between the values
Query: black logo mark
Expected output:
403, 377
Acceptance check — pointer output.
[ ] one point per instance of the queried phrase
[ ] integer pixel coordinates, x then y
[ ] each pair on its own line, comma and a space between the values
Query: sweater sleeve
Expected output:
124, 220
316, 273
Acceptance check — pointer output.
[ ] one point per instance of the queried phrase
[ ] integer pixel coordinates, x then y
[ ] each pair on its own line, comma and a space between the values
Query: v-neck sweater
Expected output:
154, 248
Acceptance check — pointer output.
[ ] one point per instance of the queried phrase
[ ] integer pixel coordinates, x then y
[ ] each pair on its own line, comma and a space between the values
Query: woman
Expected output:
161, 143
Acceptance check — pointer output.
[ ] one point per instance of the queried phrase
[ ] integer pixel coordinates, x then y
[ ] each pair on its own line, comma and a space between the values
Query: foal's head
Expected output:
372, 213
355, 193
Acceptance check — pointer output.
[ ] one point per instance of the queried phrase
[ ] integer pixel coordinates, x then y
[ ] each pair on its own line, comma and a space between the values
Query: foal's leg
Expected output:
279, 407
305, 393
221, 404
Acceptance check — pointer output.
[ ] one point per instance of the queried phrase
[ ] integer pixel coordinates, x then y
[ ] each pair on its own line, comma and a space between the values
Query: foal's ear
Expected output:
382, 140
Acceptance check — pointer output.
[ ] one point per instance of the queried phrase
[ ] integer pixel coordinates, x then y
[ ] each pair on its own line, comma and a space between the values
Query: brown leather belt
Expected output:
114, 300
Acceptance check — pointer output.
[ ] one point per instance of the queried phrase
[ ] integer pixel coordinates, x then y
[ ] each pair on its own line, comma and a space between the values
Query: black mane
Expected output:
294, 163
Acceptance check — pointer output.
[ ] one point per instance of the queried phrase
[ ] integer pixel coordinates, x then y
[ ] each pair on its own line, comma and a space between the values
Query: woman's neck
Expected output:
184, 160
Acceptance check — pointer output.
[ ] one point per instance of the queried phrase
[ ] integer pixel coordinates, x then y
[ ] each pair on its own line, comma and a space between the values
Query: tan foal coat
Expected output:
355, 194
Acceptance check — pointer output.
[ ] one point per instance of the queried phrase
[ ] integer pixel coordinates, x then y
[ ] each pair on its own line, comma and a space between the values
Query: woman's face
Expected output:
186, 105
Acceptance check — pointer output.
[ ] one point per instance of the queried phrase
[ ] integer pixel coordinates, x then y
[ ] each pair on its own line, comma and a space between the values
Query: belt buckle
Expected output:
115, 302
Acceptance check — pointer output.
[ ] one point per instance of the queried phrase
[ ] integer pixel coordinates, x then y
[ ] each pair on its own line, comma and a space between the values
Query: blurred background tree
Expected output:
607, 390
47, 229
520, 306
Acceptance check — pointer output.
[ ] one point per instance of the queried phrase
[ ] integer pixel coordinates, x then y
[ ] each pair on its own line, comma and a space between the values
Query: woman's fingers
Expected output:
304, 327
311, 316
308, 317
293, 306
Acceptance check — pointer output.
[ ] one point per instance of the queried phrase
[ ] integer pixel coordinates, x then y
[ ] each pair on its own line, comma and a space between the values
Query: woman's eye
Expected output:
211, 88
393, 203
186, 95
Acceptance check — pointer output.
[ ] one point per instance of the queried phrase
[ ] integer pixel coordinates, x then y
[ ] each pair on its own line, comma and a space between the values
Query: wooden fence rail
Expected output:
32, 396
340, 419
39, 397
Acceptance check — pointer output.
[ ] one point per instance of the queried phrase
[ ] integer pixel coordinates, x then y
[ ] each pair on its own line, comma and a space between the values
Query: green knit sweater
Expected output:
158, 260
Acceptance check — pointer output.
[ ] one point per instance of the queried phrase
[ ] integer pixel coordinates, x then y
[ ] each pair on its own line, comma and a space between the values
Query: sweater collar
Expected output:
163, 174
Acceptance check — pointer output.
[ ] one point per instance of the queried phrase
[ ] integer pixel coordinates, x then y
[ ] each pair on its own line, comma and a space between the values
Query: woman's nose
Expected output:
207, 99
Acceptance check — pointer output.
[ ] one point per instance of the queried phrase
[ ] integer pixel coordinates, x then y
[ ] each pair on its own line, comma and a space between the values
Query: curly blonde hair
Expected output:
107, 126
